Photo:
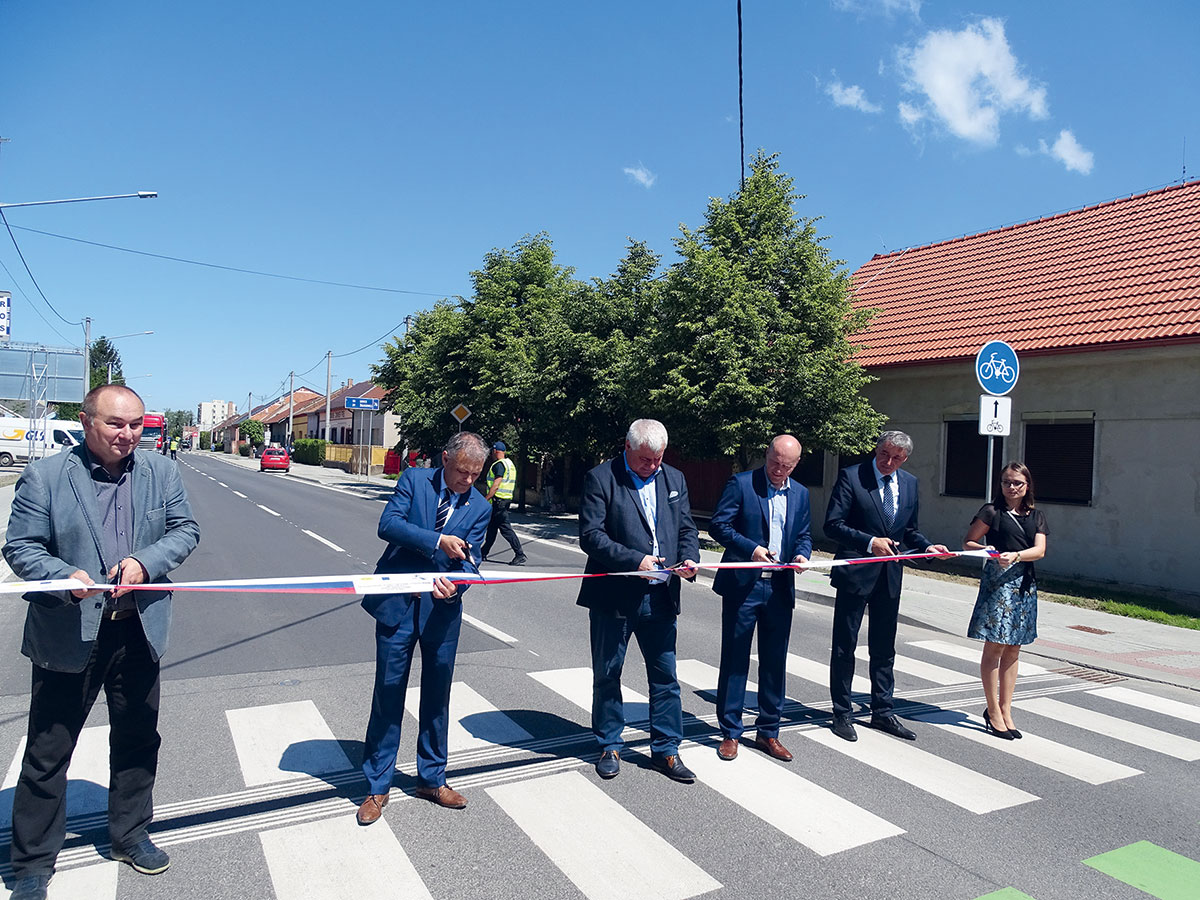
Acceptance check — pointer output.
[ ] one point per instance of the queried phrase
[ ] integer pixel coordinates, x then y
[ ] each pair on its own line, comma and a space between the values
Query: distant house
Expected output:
1103, 306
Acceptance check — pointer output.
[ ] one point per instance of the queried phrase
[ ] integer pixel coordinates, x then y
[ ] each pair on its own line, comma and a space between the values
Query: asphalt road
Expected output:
266, 699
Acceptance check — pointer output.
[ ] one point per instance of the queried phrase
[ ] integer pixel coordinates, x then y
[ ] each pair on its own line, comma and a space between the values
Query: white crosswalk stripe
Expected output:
818, 673
284, 741
1051, 754
474, 722
806, 812
973, 791
1152, 702
1119, 729
370, 862
704, 677
576, 685
630, 860
922, 669
971, 654
87, 776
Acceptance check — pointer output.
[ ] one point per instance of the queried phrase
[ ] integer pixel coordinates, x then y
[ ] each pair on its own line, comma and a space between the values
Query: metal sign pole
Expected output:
987, 481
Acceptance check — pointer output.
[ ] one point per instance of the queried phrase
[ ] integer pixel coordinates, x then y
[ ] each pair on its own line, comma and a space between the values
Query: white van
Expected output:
16, 441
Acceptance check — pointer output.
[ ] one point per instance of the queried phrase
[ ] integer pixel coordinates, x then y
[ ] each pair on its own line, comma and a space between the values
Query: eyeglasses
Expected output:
1013, 484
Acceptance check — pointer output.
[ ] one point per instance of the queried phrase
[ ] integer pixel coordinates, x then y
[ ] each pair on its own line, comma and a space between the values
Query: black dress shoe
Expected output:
998, 732
519, 560
609, 764
891, 725
673, 768
844, 728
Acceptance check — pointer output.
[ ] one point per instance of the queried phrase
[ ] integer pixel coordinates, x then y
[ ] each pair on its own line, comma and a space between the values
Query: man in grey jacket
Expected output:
100, 512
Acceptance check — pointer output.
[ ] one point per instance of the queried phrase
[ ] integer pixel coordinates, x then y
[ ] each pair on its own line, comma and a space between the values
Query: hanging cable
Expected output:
741, 112
28, 271
31, 306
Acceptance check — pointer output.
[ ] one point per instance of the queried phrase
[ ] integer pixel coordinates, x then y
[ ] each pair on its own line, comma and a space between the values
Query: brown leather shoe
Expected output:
772, 747
372, 808
728, 749
443, 796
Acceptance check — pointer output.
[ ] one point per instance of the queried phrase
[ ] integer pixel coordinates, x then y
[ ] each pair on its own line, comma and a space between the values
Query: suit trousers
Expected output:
59, 704
848, 609
610, 636
434, 625
499, 523
769, 609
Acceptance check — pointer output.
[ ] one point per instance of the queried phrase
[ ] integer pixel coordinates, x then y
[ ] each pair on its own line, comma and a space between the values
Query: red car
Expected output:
274, 458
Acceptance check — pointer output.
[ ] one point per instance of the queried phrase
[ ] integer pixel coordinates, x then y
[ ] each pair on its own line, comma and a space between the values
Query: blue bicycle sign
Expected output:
997, 368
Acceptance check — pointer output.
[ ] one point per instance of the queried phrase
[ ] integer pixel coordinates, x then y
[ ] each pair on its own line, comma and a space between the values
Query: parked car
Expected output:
274, 458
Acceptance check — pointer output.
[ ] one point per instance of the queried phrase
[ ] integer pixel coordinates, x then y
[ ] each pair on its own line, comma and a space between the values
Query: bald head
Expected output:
783, 455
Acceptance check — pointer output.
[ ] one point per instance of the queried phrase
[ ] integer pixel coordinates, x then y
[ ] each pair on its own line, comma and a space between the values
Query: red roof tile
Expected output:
1122, 272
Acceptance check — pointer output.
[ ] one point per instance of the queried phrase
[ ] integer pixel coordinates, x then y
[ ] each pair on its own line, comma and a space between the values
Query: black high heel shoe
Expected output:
998, 732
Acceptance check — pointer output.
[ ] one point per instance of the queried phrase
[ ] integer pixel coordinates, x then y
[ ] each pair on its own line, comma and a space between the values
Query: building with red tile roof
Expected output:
1102, 305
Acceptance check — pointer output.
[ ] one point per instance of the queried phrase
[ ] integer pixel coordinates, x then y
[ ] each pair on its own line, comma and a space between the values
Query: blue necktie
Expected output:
443, 510
889, 502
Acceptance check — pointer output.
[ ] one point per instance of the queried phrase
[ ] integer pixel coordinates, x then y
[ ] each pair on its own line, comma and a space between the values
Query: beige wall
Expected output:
1143, 525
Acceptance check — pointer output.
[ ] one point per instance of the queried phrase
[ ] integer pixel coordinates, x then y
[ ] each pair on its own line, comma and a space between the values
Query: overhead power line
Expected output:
29, 272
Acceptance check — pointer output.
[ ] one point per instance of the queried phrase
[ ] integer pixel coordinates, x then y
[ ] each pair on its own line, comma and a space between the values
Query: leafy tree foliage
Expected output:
252, 430
744, 337
103, 353
178, 419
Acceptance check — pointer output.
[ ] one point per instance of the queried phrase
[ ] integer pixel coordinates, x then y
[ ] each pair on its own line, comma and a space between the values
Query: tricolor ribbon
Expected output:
419, 582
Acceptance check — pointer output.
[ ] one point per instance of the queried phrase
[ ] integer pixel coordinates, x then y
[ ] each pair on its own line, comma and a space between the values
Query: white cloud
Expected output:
851, 95
887, 7
1070, 153
969, 78
1022, 150
641, 175
910, 115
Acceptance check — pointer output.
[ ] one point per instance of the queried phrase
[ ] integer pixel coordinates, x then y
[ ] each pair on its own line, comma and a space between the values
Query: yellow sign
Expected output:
460, 413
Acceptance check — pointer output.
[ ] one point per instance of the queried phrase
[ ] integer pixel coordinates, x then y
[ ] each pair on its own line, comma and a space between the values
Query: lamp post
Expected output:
110, 365
87, 321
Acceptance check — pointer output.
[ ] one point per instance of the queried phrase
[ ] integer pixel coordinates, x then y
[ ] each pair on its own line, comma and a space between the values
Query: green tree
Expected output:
104, 354
178, 419
753, 335
252, 430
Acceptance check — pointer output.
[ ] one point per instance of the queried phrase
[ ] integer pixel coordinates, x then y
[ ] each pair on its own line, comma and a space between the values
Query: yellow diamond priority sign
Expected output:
460, 413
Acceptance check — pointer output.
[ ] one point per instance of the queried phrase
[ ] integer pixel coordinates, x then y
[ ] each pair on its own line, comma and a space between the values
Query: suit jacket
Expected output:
614, 533
407, 524
742, 521
55, 530
855, 515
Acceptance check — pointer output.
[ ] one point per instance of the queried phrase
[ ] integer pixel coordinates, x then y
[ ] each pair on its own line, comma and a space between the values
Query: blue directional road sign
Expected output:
997, 368
362, 403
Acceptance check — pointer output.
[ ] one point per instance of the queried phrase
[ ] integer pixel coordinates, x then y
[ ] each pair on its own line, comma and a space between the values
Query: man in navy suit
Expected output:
763, 516
635, 516
435, 521
872, 512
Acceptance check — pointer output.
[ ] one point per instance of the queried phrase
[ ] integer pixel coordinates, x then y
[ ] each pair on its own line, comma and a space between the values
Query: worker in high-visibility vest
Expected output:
174, 446
503, 475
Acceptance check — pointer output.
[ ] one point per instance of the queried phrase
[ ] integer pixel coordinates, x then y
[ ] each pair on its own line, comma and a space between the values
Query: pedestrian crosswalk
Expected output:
294, 785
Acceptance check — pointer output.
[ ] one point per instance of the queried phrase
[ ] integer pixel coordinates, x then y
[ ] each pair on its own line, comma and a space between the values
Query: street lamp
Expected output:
87, 321
116, 338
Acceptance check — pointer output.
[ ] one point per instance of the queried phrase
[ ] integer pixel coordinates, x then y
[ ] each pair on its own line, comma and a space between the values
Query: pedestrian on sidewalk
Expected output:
503, 484
872, 512
105, 510
1005, 615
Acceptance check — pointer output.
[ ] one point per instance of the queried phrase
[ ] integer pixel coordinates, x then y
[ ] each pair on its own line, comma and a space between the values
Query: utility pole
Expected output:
291, 403
328, 387
87, 354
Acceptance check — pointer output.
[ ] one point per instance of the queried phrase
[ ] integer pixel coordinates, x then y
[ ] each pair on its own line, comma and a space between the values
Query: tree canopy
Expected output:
747, 335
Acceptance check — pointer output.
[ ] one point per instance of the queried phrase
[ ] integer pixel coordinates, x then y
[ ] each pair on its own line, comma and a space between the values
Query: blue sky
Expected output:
392, 144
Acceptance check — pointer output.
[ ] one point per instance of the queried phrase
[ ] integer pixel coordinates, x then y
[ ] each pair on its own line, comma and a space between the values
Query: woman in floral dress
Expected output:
1005, 616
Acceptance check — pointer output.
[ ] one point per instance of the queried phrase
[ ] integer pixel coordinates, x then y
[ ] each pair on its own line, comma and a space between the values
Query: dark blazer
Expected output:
855, 515
742, 522
613, 532
54, 530
407, 524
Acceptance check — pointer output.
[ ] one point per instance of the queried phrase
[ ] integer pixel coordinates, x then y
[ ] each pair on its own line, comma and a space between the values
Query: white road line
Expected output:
818, 673
956, 784
1152, 702
370, 862
807, 813
576, 686
266, 509
327, 543
1113, 727
222, 484
923, 670
488, 629
87, 776
1031, 748
607, 852
96, 882
284, 741
240, 494
970, 654
474, 722
704, 677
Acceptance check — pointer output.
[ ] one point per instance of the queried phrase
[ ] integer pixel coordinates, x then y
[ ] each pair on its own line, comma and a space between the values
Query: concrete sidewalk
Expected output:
1068, 635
